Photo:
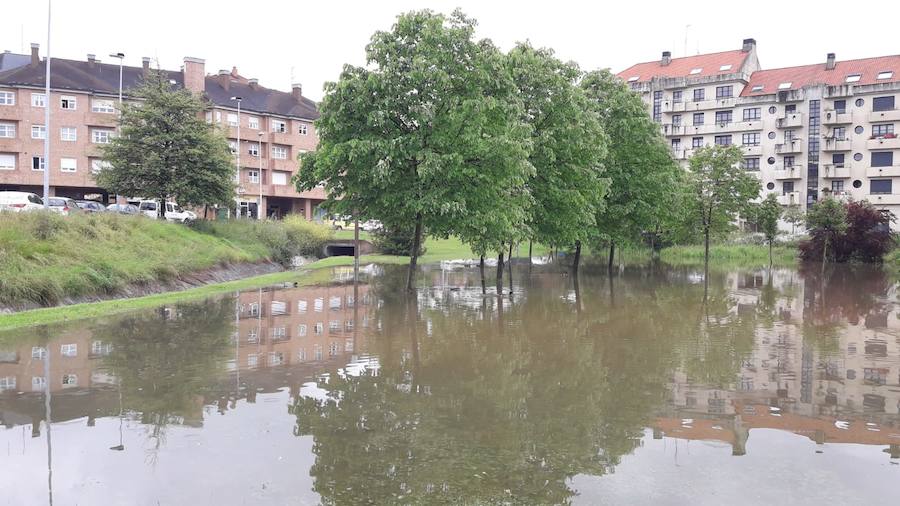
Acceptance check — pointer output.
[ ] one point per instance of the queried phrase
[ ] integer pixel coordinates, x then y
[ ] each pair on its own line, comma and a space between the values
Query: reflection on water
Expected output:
617, 389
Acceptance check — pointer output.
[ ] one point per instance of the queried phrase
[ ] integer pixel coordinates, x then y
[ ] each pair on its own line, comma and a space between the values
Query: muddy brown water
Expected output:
781, 387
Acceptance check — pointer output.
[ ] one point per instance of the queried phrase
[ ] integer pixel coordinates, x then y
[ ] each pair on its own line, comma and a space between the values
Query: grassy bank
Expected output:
730, 255
45, 258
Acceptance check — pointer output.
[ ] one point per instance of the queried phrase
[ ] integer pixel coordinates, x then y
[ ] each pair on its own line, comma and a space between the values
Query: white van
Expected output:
173, 212
20, 201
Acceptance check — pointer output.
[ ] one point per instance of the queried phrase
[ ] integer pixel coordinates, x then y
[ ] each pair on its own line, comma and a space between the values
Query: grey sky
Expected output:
267, 38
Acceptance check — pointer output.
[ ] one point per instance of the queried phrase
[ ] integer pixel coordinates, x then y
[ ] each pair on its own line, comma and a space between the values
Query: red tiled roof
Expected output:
805, 75
681, 67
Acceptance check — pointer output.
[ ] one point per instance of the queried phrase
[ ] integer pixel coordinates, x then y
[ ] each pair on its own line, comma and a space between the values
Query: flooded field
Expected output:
777, 387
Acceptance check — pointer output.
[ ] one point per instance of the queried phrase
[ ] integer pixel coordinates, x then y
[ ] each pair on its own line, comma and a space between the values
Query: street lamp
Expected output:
259, 151
237, 176
47, 124
121, 57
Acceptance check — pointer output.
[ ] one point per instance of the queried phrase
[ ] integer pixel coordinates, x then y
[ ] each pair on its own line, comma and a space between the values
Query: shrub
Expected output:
280, 241
396, 240
866, 238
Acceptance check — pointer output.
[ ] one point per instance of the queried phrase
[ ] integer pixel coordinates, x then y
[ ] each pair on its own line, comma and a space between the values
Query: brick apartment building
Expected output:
275, 127
806, 131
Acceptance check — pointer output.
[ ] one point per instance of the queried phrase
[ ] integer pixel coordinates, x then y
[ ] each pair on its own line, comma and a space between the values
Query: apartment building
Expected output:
806, 132
266, 135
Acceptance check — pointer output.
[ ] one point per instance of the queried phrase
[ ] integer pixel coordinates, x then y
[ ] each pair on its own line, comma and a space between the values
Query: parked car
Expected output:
64, 206
90, 206
371, 225
20, 201
341, 222
173, 212
129, 209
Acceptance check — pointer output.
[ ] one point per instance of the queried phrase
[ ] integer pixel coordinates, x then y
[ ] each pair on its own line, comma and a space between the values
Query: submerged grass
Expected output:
726, 255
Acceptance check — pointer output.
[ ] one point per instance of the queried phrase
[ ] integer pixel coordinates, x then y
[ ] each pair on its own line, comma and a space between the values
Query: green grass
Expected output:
730, 255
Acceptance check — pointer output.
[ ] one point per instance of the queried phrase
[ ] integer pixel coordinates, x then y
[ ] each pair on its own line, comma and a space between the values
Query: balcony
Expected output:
835, 171
702, 105
788, 173
100, 119
672, 129
669, 106
889, 171
889, 115
282, 138
752, 150
884, 200
747, 126
790, 120
833, 144
833, 117
287, 165
883, 143
790, 199
249, 161
789, 147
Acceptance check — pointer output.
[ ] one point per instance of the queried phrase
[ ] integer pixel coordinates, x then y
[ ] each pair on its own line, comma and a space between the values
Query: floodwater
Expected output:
782, 387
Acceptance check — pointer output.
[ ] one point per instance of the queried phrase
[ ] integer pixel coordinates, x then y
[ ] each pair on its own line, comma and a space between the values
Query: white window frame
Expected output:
279, 126
64, 134
64, 166
279, 178
98, 165
38, 352
69, 380
103, 106
38, 383
41, 163
7, 130
68, 102
886, 74
318, 304
38, 132
253, 122
301, 330
7, 97
302, 306
7, 383
253, 149
232, 119
319, 328
8, 161
852, 78
68, 349
253, 176
279, 152
101, 135
38, 100
303, 128
233, 146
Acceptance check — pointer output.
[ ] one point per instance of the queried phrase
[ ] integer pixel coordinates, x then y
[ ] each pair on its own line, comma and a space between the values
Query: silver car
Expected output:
64, 206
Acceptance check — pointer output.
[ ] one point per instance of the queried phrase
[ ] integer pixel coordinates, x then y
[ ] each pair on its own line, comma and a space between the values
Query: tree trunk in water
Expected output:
705, 264
824, 254
577, 257
414, 254
481, 268
612, 256
770, 253
510, 266
529, 251
500, 272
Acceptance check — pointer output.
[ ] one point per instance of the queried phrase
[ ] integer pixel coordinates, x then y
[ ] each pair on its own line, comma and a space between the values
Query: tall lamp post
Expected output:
47, 118
121, 57
237, 175
259, 151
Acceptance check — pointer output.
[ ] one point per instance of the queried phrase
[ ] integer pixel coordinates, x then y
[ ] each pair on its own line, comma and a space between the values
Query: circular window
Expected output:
857, 157
771, 160
772, 110
859, 129
771, 135
857, 183
860, 102
770, 186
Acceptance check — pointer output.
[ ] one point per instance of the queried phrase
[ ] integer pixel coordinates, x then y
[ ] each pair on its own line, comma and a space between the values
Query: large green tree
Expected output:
429, 133
721, 190
767, 215
827, 218
568, 148
643, 176
165, 150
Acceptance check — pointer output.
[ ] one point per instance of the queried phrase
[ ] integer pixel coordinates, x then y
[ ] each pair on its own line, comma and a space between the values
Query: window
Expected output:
279, 152
676, 96
787, 187
301, 330
253, 176
790, 109
68, 102
279, 178
725, 67
68, 164
723, 140
750, 139
100, 348
887, 74
301, 306
724, 91
279, 308
38, 100
837, 159
276, 358
752, 113
7, 383
784, 86
104, 106
633, 79
882, 158
37, 163
699, 94
38, 383
253, 122
8, 130
334, 303
253, 150
880, 186
318, 304
840, 106
837, 186
219, 116
756, 88
839, 133
676, 120
697, 142
657, 106
68, 134
7, 161
334, 326
676, 143
279, 126
723, 117
750, 164
789, 161
317, 352
852, 78
279, 333
318, 328
252, 360
232, 119
303, 128
99, 136
698, 118
883, 103
38, 352
232, 145
209, 116
69, 350
7, 98
877, 130
696, 71
38, 132
252, 337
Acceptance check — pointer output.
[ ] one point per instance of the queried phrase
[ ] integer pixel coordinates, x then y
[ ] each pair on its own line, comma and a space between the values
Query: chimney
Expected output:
92, 59
145, 63
829, 61
35, 57
253, 82
194, 73
297, 91
234, 72
666, 58
224, 79
749, 45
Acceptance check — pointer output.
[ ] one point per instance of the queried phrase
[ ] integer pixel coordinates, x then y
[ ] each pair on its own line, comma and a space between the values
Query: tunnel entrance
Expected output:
339, 250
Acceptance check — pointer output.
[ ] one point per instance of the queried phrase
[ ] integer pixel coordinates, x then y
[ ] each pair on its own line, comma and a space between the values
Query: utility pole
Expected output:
47, 116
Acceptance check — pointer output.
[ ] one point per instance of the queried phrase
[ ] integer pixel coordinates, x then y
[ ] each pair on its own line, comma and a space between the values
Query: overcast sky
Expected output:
309, 41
